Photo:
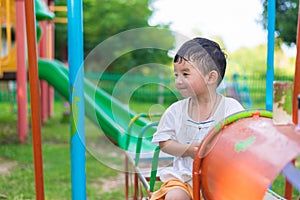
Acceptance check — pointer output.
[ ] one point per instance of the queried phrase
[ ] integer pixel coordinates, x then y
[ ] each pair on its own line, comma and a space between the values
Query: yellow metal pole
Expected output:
8, 29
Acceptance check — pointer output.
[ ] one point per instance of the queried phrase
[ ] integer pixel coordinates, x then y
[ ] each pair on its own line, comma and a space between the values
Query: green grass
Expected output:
104, 162
19, 182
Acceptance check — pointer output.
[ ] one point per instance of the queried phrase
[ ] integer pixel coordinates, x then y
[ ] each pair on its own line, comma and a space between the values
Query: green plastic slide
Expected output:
102, 109
42, 12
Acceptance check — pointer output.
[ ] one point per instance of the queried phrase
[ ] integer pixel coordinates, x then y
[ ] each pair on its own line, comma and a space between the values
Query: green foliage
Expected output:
104, 19
247, 60
286, 19
254, 60
61, 34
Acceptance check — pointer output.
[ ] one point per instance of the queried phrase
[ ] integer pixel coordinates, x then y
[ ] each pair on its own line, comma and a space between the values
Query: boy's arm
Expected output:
177, 149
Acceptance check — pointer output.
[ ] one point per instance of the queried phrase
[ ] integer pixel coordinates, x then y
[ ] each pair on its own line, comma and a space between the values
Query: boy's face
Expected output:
189, 80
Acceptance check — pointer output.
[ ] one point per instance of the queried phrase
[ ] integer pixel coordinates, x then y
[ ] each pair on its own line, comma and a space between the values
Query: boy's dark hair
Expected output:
205, 53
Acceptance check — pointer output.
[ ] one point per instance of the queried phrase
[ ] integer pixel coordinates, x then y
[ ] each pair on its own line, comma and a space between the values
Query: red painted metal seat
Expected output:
242, 156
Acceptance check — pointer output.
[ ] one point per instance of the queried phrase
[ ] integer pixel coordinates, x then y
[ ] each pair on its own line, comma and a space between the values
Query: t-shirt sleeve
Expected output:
166, 127
233, 106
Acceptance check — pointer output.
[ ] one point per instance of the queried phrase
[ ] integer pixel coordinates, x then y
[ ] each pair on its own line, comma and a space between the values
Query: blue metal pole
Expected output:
270, 55
76, 74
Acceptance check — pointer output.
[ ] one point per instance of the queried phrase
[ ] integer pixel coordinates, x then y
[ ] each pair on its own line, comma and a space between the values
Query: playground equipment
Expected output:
100, 103
8, 15
7, 36
239, 159
243, 155
13, 55
245, 132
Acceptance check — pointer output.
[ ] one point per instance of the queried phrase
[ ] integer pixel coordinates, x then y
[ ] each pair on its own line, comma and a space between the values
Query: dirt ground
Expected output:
5, 166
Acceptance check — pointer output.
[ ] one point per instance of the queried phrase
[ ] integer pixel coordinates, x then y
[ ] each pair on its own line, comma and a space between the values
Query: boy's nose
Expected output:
178, 80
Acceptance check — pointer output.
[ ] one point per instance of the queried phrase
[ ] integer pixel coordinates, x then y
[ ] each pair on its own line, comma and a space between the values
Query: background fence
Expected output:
252, 88
7, 91
249, 89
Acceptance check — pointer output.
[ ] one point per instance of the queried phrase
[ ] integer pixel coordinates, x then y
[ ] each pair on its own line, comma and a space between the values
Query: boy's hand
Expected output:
177, 149
192, 150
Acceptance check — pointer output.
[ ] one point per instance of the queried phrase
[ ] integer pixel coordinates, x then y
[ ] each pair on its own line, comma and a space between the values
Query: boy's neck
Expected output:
204, 108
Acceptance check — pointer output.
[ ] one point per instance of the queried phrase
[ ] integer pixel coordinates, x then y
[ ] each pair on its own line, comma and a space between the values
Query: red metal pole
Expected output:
44, 85
44, 100
21, 72
50, 52
34, 97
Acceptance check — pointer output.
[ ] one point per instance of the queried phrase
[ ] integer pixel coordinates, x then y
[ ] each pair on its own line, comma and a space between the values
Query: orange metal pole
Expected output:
34, 98
297, 74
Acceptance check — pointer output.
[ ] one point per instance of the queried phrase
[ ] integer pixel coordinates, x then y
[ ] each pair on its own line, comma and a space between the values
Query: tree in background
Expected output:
104, 19
286, 20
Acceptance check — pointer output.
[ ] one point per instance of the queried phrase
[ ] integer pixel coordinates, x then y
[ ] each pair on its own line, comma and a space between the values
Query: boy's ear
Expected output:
213, 77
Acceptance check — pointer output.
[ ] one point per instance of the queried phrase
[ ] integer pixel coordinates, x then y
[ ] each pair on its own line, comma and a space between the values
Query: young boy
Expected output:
199, 68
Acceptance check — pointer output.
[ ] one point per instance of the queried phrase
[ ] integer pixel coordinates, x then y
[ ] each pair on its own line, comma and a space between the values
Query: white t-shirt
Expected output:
175, 124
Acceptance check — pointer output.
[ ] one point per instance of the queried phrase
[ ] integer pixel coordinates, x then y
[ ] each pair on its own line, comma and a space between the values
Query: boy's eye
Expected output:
185, 74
